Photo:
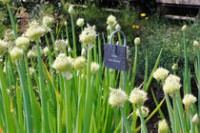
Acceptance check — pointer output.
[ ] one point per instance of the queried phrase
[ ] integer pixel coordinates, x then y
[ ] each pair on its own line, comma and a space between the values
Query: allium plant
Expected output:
59, 91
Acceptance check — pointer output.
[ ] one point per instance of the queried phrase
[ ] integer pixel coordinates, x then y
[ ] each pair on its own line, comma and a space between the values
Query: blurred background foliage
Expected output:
154, 31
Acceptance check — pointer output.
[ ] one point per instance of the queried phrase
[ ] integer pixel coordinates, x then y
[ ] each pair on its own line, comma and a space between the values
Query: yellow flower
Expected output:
143, 14
135, 26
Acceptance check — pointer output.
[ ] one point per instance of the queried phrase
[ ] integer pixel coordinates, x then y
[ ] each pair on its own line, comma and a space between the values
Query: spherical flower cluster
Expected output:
46, 50
188, 100
3, 47
63, 63
16, 54
79, 63
94, 67
160, 74
117, 97
71, 10
80, 22
61, 45
163, 126
137, 41
88, 35
35, 31
22, 42
195, 119
145, 111
172, 84
138, 96
47, 20
111, 20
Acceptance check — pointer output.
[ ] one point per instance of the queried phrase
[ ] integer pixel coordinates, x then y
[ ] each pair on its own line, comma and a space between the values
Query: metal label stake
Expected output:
115, 57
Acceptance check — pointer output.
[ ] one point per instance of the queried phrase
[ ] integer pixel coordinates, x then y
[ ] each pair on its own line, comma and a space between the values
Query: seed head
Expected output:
160, 74
138, 96
94, 67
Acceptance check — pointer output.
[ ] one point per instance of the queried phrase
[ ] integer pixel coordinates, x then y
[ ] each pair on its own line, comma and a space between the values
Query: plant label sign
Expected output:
115, 56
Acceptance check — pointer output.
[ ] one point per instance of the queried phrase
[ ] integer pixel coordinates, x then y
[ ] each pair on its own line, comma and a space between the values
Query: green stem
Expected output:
12, 20
73, 36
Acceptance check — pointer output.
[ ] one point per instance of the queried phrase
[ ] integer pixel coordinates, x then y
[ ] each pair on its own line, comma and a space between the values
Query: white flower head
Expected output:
111, 20
117, 97
163, 126
63, 63
47, 20
35, 31
188, 100
61, 45
138, 96
145, 111
22, 42
94, 67
79, 63
3, 47
172, 84
160, 74
80, 22
16, 54
88, 35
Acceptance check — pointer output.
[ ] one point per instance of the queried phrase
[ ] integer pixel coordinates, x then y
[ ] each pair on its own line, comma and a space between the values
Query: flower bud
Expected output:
94, 67
195, 119
137, 41
184, 28
175, 67
163, 127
